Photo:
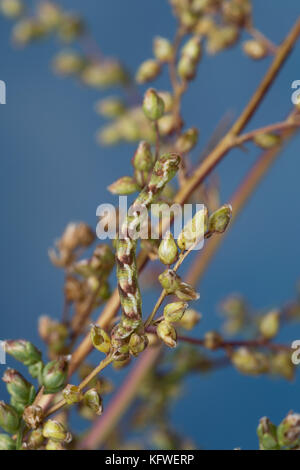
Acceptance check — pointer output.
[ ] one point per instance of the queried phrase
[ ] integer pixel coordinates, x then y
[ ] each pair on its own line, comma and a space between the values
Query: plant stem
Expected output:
278, 126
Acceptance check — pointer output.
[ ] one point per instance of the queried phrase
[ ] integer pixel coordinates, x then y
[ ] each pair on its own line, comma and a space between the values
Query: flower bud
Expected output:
250, 362
168, 251
187, 141
100, 339
174, 311
93, 401
72, 394
110, 107
35, 439
153, 105
194, 231
186, 68
212, 340
35, 370
27, 30
269, 324
190, 319
33, 416
219, 220
267, 141
23, 351
281, 365
148, 71
143, 158
124, 361
267, 435
222, 38
56, 431
49, 14
167, 125
167, 334
163, 49
12, 8
236, 12
70, 28
68, 63
192, 49
18, 387
124, 185
288, 432
54, 375
9, 418
7, 443
137, 344
168, 100
173, 284
255, 49
53, 445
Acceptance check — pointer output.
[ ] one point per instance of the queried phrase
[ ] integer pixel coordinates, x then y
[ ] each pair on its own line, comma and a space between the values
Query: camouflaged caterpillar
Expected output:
130, 296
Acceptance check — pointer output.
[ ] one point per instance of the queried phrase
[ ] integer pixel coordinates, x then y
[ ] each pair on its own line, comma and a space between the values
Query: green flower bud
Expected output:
194, 231
68, 63
219, 220
269, 324
267, 435
35, 439
267, 141
109, 135
35, 370
153, 105
33, 416
186, 68
167, 333
192, 49
110, 107
190, 319
72, 394
12, 8
53, 445
6, 442
173, 284
23, 351
100, 339
18, 387
212, 340
70, 28
137, 344
187, 141
148, 71
174, 312
281, 365
250, 362
168, 251
143, 159
9, 418
124, 185
56, 431
18, 406
163, 49
54, 375
255, 49
288, 431
93, 401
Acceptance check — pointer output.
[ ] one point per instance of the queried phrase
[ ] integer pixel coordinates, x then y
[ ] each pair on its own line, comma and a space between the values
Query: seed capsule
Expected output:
137, 344
100, 339
56, 431
93, 401
267, 435
123, 186
9, 418
35, 439
267, 141
163, 49
55, 374
282, 366
219, 220
23, 351
53, 445
255, 49
173, 284
168, 251
174, 312
167, 334
72, 394
153, 105
148, 71
18, 387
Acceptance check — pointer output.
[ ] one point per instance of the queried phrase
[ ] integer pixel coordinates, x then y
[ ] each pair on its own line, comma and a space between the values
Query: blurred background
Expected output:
53, 172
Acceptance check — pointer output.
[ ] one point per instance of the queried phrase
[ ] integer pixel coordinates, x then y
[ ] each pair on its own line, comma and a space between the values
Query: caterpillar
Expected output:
130, 297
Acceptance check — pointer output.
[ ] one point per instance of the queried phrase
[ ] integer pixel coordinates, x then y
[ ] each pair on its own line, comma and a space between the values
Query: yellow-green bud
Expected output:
148, 71
23, 351
167, 334
269, 324
53, 445
27, 30
250, 362
12, 8
190, 319
288, 431
9, 418
188, 19
255, 49
221, 38
56, 431
212, 340
121, 363
219, 220
236, 12
173, 284
70, 28
168, 100
72, 394
194, 230
110, 107
267, 435
93, 401
18, 387
49, 14
68, 63
100, 339
174, 312
168, 251
153, 105
167, 125
33, 416
137, 344
124, 185
281, 365
104, 74
143, 159
267, 141
163, 49
186, 68
54, 375
7, 443
192, 49
35, 439
187, 141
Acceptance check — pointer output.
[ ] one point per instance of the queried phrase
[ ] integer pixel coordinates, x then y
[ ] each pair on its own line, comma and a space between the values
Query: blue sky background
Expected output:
53, 171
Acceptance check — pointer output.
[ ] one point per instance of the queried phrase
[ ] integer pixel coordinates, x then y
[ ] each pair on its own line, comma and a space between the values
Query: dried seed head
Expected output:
194, 230
153, 105
33, 416
267, 141
163, 49
7, 443
187, 141
56, 431
148, 71
123, 186
288, 432
72, 394
255, 49
219, 220
12, 8
9, 418
137, 343
167, 334
267, 434
174, 312
23, 351
100, 339
93, 401
168, 251
18, 387
54, 375
269, 324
